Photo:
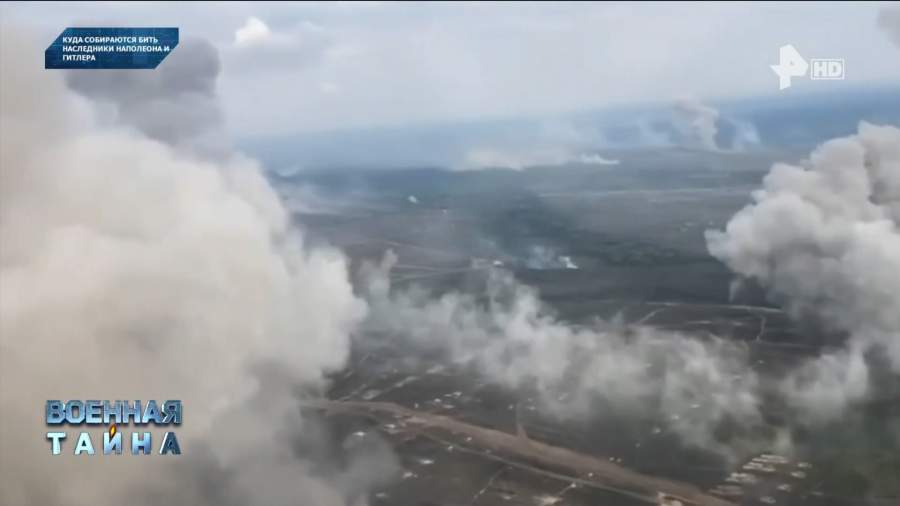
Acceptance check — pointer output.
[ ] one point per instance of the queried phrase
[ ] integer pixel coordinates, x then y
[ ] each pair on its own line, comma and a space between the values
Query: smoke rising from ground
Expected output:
823, 238
697, 122
554, 143
689, 124
129, 270
492, 158
515, 340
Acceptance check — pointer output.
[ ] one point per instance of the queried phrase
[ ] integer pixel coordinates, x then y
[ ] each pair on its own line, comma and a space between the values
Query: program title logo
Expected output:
113, 415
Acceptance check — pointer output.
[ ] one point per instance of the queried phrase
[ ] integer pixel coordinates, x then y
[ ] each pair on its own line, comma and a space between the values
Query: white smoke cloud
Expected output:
595, 159
554, 143
697, 122
692, 124
544, 257
175, 104
823, 238
514, 339
129, 270
518, 159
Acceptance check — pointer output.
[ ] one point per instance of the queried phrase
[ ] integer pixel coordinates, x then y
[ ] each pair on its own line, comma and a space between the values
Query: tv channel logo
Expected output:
791, 64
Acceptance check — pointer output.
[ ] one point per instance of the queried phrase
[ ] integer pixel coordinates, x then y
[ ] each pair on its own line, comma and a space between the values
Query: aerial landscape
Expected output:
453, 254
625, 244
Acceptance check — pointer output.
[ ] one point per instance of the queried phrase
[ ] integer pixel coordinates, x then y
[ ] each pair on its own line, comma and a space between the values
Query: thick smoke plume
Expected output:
175, 104
132, 270
515, 340
823, 238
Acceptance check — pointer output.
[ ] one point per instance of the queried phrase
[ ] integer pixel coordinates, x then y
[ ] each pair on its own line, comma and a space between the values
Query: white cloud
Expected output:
258, 48
253, 32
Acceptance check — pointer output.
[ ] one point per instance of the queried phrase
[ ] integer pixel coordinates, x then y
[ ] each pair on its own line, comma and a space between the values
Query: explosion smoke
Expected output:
122, 257
515, 340
823, 239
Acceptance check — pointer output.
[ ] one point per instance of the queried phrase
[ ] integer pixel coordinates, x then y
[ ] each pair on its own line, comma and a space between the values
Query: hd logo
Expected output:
791, 64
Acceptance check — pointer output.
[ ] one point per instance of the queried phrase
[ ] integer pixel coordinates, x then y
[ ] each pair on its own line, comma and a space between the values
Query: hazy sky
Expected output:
320, 66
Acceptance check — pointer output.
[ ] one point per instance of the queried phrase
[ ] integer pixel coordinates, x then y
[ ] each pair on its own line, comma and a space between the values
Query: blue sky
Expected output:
322, 66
